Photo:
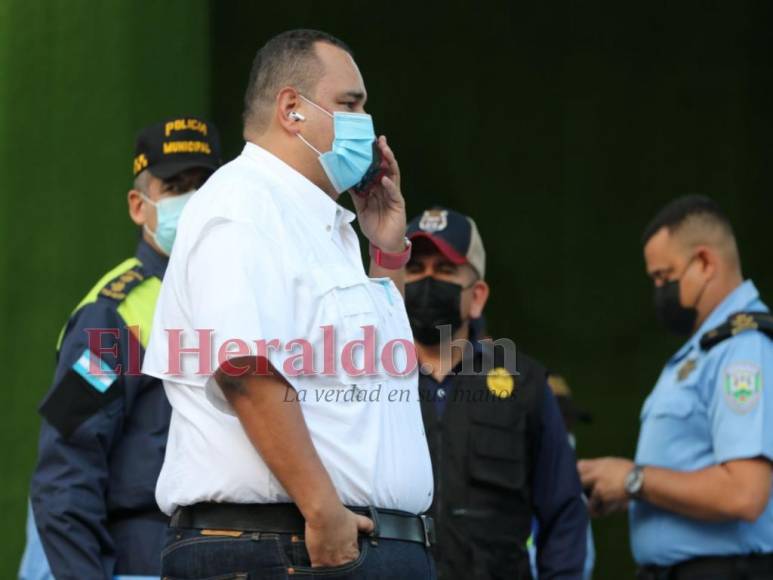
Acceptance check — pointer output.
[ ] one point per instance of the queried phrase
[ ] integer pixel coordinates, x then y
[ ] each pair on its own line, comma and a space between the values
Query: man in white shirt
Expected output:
290, 372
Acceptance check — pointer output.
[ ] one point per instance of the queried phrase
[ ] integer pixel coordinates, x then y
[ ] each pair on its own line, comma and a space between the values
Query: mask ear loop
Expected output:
309, 145
145, 227
313, 104
144, 196
302, 138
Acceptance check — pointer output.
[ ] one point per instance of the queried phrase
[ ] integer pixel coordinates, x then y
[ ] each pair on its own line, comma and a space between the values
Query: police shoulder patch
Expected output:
736, 324
121, 285
742, 386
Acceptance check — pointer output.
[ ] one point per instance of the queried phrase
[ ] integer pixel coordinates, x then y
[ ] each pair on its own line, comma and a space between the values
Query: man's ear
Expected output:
136, 207
709, 259
288, 100
480, 292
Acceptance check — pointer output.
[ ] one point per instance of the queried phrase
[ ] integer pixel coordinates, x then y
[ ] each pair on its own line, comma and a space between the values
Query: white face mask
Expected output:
168, 212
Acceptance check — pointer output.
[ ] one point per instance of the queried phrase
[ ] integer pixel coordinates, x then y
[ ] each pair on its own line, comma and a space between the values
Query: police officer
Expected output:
699, 487
104, 425
499, 448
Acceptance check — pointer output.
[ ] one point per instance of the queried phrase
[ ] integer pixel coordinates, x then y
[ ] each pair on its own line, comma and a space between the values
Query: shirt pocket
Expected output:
678, 403
349, 291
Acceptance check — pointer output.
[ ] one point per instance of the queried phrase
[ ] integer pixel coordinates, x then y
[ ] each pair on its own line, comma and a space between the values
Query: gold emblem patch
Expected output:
743, 322
685, 370
500, 382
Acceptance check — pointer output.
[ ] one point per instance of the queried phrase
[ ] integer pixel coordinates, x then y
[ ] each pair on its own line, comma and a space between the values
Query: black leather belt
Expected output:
729, 567
286, 518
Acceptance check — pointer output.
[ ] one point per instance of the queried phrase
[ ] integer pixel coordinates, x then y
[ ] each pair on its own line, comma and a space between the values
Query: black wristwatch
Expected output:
634, 481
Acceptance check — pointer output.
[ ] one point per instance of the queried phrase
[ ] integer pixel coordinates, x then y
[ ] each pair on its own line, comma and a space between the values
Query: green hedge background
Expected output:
561, 127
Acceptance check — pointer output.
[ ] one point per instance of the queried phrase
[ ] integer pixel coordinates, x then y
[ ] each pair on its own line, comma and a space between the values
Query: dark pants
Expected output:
190, 555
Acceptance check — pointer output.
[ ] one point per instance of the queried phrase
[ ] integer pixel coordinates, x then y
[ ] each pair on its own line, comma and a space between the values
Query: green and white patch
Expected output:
742, 386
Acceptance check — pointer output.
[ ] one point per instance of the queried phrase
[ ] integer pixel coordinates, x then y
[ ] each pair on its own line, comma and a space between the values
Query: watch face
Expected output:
634, 480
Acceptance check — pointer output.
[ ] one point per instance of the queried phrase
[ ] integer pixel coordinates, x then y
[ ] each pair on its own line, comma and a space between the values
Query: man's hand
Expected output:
381, 214
278, 431
331, 539
605, 478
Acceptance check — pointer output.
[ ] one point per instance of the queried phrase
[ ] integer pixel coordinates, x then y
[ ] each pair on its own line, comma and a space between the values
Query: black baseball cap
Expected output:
455, 235
174, 145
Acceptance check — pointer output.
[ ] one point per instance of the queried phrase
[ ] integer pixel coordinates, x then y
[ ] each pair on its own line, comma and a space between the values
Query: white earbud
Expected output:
296, 116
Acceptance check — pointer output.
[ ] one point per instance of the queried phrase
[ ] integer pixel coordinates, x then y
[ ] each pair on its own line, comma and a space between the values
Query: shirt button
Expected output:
328, 227
441, 393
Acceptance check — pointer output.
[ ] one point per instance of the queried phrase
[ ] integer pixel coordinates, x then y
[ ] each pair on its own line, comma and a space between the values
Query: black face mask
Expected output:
670, 312
431, 303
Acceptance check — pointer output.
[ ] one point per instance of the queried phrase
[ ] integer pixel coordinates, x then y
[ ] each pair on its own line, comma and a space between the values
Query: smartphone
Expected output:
373, 175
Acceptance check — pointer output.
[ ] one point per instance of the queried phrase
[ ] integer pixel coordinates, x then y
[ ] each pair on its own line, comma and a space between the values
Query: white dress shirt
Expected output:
261, 253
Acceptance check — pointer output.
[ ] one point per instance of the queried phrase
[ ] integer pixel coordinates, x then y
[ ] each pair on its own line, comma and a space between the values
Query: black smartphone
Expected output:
373, 175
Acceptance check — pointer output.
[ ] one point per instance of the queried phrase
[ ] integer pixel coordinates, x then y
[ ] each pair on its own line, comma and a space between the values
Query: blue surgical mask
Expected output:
168, 212
352, 152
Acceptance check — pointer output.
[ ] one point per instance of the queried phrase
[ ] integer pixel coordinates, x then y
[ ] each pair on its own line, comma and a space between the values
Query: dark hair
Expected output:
191, 178
285, 60
674, 214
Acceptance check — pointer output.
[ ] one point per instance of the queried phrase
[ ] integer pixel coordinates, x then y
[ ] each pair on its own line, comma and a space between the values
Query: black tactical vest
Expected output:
483, 455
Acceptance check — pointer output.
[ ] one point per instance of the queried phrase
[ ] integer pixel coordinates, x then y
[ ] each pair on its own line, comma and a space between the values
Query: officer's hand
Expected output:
605, 478
597, 509
332, 539
381, 214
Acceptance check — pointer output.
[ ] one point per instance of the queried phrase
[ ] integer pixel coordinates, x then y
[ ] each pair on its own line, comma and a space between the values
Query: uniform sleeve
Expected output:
558, 503
740, 405
82, 413
236, 282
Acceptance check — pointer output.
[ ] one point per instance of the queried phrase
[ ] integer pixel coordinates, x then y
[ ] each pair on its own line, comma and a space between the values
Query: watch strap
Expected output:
391, 260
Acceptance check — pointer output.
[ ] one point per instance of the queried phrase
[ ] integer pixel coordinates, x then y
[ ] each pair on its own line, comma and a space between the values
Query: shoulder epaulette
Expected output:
737, 323
120, 286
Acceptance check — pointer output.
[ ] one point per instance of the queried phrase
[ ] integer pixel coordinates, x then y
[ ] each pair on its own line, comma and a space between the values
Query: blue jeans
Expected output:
190, 555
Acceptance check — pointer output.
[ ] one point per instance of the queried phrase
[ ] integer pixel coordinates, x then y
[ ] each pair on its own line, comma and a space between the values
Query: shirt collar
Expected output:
329, 213
152, 261
739, 299
473, 355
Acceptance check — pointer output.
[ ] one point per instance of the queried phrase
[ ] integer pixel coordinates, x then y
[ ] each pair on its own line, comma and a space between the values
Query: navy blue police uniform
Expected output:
500, 452
104, 424
103, 433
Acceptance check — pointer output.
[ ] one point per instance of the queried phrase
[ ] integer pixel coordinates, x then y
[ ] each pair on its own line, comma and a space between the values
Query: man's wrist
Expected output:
634, 482
318, 510
395, 247
391, 260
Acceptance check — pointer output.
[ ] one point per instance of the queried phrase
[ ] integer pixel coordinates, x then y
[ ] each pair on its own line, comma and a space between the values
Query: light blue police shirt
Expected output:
708, 407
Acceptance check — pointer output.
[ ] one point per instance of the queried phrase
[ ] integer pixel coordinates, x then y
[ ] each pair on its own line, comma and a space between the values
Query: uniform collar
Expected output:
321, 207
152, 261
739, 299
476, 354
